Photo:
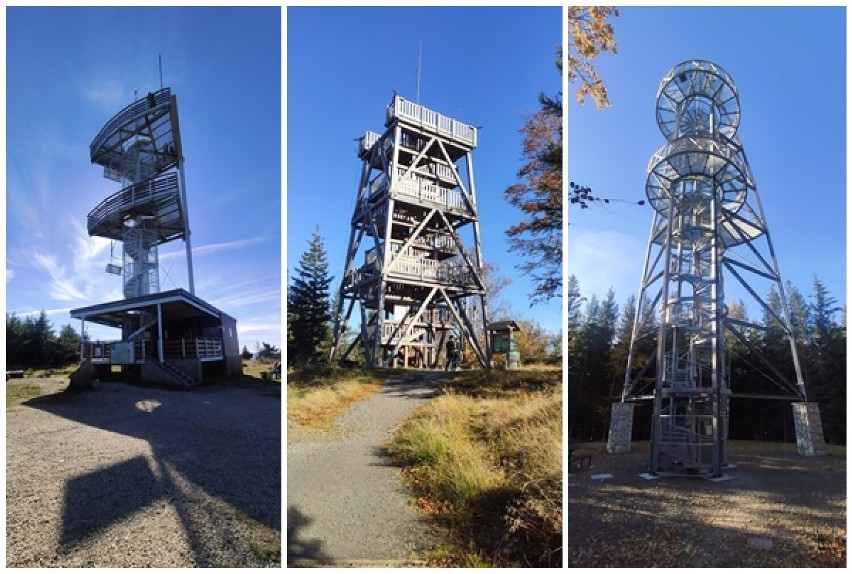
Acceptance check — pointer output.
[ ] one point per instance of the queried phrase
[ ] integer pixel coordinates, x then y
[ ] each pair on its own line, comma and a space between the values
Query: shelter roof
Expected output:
176, 303
502, 326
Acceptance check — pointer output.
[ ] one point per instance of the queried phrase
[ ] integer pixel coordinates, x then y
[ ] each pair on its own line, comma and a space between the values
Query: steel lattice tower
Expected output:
418, 283
708, 226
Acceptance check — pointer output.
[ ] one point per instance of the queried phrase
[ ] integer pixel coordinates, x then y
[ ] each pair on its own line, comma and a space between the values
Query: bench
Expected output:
579, 459
14, 375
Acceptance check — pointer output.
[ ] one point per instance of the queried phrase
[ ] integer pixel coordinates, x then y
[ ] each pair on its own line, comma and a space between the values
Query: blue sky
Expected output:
482, 66
71, 69
789, 65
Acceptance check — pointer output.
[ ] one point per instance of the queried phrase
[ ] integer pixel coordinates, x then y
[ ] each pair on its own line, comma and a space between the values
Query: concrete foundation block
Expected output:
809, 438
620, 428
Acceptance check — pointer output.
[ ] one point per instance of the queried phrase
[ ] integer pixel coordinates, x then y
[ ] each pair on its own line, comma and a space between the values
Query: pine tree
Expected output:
68, 345
308, 310
827, 364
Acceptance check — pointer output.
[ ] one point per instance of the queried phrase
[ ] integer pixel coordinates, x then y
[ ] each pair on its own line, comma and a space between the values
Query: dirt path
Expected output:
777, 510
346, 504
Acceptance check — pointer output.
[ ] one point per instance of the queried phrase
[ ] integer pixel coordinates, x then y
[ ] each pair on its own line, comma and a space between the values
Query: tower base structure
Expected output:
809, 437
620, 428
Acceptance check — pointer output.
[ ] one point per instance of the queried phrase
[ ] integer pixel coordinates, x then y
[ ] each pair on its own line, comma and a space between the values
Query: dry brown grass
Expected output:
316, 396
486, 458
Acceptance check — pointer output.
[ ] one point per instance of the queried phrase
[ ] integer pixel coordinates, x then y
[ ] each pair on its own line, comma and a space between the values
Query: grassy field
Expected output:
16, 393
485, 458
317, 395
254, 375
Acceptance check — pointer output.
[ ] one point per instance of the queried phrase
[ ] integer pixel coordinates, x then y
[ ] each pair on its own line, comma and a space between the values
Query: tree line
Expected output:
31, 343
599, 333
311, 305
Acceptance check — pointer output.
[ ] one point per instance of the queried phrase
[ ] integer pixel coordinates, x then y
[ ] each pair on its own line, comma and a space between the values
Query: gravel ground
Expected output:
130, 476
346, 504
777, 510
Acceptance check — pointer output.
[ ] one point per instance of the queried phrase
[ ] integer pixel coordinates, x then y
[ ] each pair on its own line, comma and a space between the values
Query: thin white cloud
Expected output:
48, 312
84, 248
273, 297
215, 248
106, 95
247, 327
10, 274
60, 287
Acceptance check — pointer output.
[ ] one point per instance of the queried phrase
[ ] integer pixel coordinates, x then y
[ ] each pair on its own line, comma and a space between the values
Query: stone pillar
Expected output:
620, 428
809, 439
82, 377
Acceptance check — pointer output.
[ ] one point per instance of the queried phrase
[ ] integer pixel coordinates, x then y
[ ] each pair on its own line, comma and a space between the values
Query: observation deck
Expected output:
153, 118
430, 121
156, 197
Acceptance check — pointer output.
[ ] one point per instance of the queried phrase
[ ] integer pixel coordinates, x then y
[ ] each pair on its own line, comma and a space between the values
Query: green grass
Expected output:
836, 450
16, 393
264, 541
252, 377
486, 457
53, 372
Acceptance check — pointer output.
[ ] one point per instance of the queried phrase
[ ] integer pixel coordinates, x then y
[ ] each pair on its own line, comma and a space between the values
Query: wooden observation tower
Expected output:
407, 266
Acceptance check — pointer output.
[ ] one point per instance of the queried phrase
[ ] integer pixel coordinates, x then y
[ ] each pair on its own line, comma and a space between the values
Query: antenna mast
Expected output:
419, 68
161, 70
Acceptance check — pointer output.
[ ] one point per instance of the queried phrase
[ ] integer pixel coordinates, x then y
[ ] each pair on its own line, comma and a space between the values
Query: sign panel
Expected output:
121, 352
500, 342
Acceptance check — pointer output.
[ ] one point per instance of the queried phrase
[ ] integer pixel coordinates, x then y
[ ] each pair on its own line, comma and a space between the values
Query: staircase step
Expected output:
185, 379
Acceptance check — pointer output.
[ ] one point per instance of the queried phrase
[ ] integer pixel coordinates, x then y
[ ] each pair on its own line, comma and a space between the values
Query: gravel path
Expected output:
778, 509
346, 504
130, 476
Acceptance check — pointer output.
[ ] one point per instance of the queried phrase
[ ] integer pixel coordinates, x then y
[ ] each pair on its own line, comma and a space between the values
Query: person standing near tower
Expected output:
452, 354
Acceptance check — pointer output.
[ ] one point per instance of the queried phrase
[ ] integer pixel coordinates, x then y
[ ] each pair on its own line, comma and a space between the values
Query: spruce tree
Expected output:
308, 310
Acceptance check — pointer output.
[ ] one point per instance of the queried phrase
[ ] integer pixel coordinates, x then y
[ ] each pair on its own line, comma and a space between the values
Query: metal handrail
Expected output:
130, 113
154, 193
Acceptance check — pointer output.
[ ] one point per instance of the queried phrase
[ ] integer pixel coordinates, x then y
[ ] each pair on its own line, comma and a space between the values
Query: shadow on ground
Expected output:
414, 384
221, 443
777, 510
300, 549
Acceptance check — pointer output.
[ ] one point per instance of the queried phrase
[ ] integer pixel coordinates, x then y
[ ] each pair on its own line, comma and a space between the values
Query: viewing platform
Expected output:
153, 117
429, 121
157, 196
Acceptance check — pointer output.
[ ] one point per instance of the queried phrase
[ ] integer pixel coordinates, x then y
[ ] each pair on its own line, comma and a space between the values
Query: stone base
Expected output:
82, 377
809, 439
620, 428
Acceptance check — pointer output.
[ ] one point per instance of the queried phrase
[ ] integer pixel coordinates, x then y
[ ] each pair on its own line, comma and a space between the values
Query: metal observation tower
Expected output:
708, 227
407, 267
140, 147
167, 337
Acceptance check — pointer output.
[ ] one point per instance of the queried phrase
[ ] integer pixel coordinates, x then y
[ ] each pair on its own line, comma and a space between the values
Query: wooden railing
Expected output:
419, 186
426, 118
425, 190
367, 141
195, 348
